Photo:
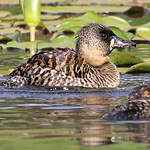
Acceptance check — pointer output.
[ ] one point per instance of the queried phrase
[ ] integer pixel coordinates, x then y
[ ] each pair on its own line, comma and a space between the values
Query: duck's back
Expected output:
47, 68
63, 67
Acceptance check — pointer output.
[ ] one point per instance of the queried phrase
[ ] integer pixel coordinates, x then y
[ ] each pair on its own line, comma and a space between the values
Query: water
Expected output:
72, 117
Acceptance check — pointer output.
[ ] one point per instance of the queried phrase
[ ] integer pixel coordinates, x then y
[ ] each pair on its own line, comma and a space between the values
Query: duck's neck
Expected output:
107, 75
95, 56
101, 73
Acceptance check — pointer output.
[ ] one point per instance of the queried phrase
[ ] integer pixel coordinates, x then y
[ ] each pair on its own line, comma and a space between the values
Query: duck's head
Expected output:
95, 42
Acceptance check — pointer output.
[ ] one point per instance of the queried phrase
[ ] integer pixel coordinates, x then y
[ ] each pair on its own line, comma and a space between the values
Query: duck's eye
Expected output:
104, 36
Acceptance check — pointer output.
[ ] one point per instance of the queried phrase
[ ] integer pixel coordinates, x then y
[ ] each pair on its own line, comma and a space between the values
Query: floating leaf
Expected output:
21, 45
140, 68
70, 25
61, 41
83, 8
6, 31
49, 17
75, 23
123, 59
117, 22
4, 14
123, 70
90, 17
122, 34
5, 71
144, 31
13, 18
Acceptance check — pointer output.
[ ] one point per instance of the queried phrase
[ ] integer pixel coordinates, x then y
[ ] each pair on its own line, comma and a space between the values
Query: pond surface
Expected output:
72, 117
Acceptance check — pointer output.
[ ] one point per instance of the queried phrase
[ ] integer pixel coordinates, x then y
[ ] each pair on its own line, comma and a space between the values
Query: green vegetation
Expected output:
60, 30
123, 59
64, 144
81, 9
140, 68
32, 13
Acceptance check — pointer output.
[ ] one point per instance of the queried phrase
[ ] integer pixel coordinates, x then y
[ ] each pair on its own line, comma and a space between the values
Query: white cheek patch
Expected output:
112, 44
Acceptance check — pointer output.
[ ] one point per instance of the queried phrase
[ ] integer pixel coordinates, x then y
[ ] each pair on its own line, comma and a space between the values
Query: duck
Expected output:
137, 106
87, 66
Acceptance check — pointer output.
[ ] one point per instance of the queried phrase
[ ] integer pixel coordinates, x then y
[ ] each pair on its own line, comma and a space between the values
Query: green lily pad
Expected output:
14, 17
5, 71
90, 17
84, 8
117, 22
144, 31
69, 25
20, 45
75, 23
61, 41
123, 59
123, 70
49, 17
122, 34
140, 68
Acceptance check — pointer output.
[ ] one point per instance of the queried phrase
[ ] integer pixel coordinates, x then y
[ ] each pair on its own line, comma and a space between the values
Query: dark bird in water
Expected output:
86, 66
137, 107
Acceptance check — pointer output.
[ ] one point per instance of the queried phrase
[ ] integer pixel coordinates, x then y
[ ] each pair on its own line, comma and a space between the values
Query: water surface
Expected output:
70, 116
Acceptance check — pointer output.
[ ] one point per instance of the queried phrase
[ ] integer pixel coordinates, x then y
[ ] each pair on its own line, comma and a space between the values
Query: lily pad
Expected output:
140, 68
68, 25
90, 17
144, 31
84, 8
12, 30
117, 22
123, 70
13, 17
5, 71
76, 23
4, 14
21, 45
49, 17
123, 59
61, 41
122, 34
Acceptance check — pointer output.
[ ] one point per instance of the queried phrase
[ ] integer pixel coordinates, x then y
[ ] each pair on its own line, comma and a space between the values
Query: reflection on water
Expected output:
74, 113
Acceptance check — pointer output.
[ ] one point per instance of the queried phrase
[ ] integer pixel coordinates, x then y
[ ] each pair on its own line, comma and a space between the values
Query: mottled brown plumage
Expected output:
137, 107
87, 66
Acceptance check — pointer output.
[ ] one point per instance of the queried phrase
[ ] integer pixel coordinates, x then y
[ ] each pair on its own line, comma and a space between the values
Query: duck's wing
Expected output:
55, 59
44, 69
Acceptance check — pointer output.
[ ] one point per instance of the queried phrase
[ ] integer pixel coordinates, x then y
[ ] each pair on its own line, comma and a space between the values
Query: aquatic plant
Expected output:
32, 12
